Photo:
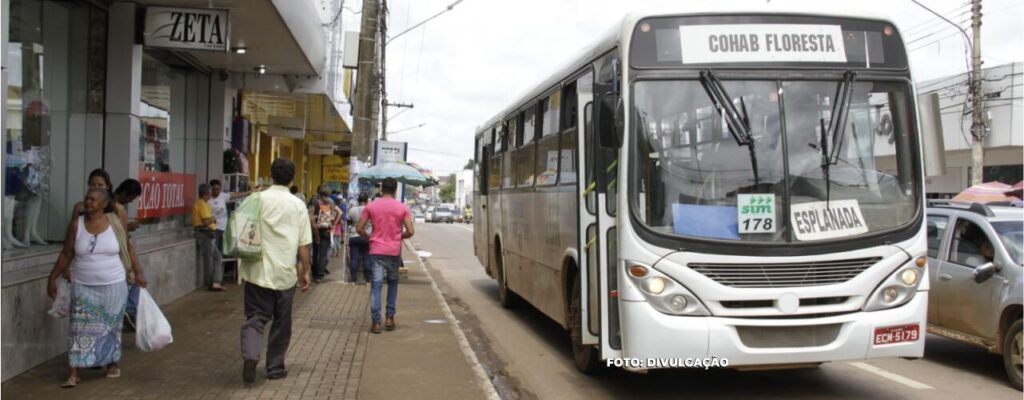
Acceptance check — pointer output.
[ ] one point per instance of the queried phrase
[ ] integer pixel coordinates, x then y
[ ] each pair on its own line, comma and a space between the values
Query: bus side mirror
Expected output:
609, 121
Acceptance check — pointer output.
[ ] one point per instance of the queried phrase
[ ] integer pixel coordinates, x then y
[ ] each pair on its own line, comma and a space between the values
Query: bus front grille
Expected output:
785, 275
762, 337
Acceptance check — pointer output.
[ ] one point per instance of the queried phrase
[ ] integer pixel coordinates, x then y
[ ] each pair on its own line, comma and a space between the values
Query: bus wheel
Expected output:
506, 297
583, 355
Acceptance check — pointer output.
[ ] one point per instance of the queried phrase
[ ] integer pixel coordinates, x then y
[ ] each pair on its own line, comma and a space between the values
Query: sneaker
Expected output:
375, 328
249, 371
389, 323
278, 375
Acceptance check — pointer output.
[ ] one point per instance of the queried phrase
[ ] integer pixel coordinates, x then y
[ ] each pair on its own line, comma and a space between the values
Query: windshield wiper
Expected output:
836, 125
739, 123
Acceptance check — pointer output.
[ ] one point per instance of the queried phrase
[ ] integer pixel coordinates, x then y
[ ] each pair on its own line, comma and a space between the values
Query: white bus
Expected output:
742, 185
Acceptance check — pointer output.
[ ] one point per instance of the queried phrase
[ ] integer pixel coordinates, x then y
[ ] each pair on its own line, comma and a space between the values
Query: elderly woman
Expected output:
95, 243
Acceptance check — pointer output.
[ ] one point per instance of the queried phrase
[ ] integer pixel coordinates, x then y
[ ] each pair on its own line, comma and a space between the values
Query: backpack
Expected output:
324, 215
242, 236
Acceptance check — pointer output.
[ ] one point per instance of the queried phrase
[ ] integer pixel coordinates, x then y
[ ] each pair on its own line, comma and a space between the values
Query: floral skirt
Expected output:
97, 313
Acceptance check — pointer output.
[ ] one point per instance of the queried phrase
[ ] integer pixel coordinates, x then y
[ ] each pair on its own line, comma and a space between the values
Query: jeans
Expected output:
379, 266
358, 248
219, 239
133, 300
209, 257
322, 256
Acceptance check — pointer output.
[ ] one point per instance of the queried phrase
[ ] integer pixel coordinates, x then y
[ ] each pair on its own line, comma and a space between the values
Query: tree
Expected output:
469, 164
448, 190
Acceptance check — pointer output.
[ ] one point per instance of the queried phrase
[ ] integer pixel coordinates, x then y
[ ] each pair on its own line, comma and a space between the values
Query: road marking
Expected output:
464, 227
891, 376
485, 382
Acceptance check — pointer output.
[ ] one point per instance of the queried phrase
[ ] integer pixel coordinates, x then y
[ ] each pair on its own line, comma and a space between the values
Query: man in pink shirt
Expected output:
387, 216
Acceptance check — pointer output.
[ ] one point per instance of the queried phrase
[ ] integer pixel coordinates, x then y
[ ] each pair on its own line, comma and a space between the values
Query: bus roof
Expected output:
612, 36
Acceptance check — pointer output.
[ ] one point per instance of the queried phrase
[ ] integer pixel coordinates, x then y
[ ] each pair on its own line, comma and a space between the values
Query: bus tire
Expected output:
506, 297
1013, 344
584, 356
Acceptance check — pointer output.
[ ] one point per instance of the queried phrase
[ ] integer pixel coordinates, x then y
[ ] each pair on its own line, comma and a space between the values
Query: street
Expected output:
528, 355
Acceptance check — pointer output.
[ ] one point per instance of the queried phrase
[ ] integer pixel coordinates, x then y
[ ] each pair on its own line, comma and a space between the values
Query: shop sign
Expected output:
385, 152
187, 28
336, 174
165, 194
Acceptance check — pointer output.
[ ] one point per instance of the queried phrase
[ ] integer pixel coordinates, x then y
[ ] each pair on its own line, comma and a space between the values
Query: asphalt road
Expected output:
529, 357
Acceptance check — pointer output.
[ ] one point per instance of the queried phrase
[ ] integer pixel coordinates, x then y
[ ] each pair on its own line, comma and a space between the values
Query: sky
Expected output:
463, 67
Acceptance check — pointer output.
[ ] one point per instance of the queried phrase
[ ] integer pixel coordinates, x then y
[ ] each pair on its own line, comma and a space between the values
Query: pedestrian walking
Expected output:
324, 214
205, 227
125, 194
270, 281
96, 243
388, 216
358, 246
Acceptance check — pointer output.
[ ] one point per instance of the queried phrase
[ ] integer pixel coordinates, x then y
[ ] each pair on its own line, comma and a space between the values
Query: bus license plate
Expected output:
897, 334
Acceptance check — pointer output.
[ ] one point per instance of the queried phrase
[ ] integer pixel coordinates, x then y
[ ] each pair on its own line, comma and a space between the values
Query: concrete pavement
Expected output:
332, 354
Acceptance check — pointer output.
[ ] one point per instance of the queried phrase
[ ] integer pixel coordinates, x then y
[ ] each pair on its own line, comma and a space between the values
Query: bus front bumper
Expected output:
651, 335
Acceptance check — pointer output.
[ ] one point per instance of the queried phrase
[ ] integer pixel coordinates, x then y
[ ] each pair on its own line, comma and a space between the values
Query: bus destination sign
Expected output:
761, 43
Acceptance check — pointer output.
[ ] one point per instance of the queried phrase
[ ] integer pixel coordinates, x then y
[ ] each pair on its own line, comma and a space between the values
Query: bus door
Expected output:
601, 188
587, 218
480, 227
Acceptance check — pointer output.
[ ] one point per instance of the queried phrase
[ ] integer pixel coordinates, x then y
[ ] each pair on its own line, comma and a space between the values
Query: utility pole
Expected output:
383, 69
978, 129
364, 128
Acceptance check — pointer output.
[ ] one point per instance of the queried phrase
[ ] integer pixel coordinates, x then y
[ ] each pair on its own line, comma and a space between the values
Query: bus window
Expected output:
551, 120
477, 161
568, 157
547, 146
525, 154
506, 161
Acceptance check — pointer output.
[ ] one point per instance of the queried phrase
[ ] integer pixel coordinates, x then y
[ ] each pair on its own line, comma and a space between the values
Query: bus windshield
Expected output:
696, 180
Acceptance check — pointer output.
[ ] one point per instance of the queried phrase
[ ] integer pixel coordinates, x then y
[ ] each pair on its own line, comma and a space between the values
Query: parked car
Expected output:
975, 257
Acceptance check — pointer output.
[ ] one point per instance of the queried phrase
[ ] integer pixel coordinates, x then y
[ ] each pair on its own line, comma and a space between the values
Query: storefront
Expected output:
86, 86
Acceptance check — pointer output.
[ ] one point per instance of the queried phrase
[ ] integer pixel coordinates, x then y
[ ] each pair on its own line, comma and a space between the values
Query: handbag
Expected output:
152, 331
62, 303
242, 238
122, 242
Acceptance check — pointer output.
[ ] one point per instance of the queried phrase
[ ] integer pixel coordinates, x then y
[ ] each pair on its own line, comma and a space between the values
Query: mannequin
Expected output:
12, 185
36, 178
9, 240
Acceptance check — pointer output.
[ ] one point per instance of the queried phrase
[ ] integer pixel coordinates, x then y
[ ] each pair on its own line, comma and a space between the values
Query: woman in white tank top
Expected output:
99, 289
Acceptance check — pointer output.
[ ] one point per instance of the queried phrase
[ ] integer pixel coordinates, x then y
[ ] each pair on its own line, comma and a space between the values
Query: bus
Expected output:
744, 185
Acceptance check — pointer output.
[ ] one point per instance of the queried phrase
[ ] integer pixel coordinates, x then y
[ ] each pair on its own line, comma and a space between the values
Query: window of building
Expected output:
55, 70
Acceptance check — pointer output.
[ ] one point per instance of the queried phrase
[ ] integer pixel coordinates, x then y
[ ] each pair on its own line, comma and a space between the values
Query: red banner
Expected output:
165, 194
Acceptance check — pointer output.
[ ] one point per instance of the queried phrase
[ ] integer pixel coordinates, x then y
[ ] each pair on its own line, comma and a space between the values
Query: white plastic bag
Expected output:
152, 331
62, 303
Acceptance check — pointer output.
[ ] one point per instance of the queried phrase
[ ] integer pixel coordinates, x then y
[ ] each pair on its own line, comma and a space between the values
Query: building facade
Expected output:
130, 87
1003, 100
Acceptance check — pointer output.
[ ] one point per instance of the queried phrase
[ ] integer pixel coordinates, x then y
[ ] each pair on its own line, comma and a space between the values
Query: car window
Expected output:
1012, 235
970, 246
936, 230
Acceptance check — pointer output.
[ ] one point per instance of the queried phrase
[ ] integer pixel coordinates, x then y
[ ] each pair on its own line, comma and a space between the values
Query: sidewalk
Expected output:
332, 354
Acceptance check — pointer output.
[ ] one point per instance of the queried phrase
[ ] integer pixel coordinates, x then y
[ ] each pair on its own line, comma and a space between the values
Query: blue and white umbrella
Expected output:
398, 171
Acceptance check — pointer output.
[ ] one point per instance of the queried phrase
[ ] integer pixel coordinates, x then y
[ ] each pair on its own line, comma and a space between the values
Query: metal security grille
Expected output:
785, 275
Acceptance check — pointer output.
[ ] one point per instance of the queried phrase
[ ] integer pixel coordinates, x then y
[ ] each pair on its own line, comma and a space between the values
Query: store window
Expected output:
53, 117
172, 123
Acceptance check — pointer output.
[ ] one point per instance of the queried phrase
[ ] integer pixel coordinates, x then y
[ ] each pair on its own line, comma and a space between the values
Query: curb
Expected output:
485, 382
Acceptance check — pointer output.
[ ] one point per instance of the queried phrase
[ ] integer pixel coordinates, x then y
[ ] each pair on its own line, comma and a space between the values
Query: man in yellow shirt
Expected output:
205, 227
270, 280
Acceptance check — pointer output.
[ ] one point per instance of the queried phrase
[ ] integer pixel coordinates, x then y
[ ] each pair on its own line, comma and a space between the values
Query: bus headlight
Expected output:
654, 285
665, 294
898, 288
